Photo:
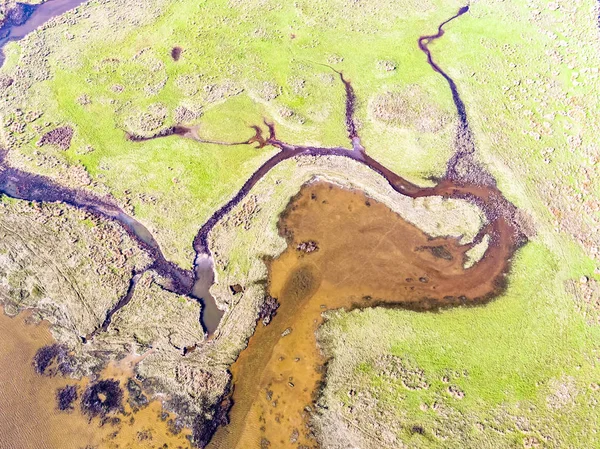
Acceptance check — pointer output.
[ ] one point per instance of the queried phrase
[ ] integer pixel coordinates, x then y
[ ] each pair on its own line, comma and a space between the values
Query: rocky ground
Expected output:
11, 10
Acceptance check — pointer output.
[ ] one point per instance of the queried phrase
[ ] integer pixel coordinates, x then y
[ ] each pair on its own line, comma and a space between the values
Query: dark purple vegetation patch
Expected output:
61, 137
206, 425
176, 53
53, 359
268, 309
308, 247
66, 396
102, 397
137, 399
5, 82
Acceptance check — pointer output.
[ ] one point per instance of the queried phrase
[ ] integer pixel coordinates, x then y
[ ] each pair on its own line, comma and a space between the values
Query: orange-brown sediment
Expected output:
29, 417
367, 255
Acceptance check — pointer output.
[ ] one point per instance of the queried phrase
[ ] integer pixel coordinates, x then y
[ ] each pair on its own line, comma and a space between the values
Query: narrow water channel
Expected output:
22, 185
366, 256
30, 17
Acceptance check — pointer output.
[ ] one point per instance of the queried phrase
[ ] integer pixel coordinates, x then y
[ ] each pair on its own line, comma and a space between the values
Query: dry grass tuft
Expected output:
410, 108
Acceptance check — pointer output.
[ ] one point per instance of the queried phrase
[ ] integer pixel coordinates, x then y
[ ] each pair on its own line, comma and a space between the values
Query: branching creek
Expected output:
418, 272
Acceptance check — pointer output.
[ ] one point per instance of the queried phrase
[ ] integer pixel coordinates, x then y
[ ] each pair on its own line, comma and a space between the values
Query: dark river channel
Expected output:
409, 270
26, 18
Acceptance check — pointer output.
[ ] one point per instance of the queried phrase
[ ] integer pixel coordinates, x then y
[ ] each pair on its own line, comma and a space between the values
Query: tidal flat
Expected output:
198, 123
36, 412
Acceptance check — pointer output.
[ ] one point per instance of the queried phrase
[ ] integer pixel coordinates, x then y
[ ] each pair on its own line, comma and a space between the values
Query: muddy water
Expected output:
367, 255
28, 414
34, 16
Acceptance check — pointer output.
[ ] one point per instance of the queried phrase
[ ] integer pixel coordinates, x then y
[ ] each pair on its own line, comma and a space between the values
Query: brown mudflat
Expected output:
367, 255
29, 417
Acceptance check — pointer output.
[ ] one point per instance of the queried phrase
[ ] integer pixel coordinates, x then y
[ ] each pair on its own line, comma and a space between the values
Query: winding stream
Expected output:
29, 17
464, 179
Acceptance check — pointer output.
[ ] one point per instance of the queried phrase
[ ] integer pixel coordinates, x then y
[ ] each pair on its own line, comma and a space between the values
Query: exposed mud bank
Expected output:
368, 256
15, 16
54, 411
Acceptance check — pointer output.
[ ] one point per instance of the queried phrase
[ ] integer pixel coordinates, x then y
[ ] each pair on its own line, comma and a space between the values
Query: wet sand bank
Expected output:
29, 417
